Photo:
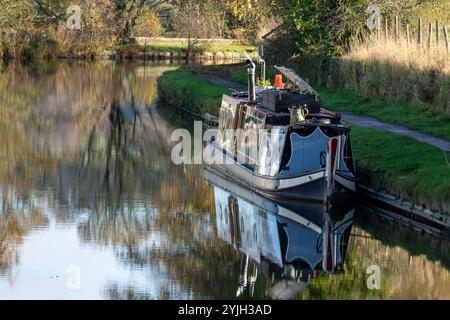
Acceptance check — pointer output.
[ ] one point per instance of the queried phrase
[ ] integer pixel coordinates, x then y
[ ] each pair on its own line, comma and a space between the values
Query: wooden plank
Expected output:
419, 34
446, 39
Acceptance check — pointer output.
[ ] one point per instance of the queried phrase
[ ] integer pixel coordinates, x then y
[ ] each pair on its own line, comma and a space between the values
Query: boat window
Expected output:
226, 116
228, 121
252, 121
271, 150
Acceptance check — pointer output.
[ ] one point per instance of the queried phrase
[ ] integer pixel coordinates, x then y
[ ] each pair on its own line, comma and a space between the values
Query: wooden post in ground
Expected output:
419, 34
386, 29
397, 30
446, 39
437, 33
430, 35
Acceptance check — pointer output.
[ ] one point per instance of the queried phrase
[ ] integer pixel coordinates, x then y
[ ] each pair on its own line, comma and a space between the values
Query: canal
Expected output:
91, 207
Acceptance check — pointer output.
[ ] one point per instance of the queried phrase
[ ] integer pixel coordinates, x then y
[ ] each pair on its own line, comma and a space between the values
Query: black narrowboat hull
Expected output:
305, 191
310, 186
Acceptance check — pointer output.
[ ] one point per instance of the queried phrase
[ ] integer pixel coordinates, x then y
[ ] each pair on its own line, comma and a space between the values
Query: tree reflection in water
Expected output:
17, 218
82, 144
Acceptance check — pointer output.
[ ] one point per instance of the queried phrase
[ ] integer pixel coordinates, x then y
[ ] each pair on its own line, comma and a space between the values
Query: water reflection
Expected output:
86, 180
289, 243
17, 219
81, 150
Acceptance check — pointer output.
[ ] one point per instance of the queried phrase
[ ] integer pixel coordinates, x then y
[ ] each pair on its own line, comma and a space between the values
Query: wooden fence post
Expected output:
419, 34
386, 29
437, 33
430, 35
397, 31
446, 39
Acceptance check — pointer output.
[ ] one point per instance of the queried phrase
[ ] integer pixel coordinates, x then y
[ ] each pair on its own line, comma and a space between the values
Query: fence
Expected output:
431, 37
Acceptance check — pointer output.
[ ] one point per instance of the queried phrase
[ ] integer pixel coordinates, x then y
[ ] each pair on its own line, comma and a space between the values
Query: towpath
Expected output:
366, 122
223, 81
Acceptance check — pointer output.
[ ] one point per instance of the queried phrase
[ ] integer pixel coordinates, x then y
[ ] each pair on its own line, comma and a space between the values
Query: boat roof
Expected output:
301, 85
259, 108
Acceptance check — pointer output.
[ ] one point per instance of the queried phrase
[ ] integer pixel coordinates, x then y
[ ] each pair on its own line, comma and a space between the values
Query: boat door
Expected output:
228, 122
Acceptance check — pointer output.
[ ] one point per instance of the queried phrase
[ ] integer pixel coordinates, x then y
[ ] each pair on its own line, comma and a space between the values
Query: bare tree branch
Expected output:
55, 17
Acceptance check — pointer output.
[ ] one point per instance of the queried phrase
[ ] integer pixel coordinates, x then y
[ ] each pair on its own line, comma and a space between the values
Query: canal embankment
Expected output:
180, 50
154, 49
413, 172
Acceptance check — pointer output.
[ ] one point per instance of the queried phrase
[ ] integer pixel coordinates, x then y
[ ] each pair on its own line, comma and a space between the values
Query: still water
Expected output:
91, 207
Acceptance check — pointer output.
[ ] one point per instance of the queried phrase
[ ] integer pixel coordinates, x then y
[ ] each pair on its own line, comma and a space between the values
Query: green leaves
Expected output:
323, 27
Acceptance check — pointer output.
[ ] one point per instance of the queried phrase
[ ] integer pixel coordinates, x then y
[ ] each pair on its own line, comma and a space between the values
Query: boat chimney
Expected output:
263, 63
251, 81
263, 70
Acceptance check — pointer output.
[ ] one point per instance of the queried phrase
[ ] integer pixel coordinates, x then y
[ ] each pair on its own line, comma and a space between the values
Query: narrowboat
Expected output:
288, 242
279, 141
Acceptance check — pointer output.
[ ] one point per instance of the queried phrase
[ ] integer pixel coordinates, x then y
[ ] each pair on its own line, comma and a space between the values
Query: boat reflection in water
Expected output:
288, 242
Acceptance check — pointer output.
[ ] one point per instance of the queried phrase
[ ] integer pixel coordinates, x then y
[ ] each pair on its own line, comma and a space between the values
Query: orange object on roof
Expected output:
278, 81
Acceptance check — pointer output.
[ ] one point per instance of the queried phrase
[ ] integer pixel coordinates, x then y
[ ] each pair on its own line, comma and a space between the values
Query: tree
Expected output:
50, 12
190, 22
127, 13
148, 24
16, 15
226, 18
321, 26
250, 15
327, 26
216, 15
26, 14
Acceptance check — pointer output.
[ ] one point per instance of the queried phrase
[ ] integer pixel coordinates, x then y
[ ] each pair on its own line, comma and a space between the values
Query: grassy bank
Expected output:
403, 166
412, 116
177, 47
136, 50
400, 165
183, 88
